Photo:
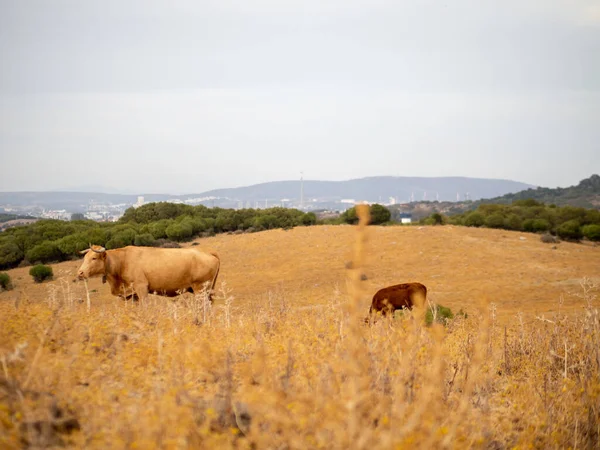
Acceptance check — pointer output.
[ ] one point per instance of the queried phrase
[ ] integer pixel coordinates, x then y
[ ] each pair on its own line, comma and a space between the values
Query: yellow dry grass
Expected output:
282, 359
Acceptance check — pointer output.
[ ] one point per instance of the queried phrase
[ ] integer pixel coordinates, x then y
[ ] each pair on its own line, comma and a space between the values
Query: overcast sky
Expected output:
186, 96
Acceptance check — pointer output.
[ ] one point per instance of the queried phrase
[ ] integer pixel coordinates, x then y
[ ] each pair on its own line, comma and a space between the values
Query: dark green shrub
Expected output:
179, 231
513, 222
10, 254
379, 214
494, 220
443, 315
45, 252
591, 232
5, 282
159, 229
41, 273
144, 240
309, 219
570, 230
474, 219
437, 218
72, 245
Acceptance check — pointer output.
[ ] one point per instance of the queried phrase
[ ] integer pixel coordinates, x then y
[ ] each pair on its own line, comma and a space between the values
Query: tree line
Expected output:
154, 224
567, 222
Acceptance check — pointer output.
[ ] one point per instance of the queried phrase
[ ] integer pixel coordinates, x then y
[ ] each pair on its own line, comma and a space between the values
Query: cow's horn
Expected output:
101, 250
83, 252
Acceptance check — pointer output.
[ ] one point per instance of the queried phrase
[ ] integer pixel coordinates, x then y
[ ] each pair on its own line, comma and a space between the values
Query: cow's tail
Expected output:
214, 281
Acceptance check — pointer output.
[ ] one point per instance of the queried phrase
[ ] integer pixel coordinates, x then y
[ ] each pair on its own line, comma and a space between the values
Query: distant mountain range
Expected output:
329, 195
322, 194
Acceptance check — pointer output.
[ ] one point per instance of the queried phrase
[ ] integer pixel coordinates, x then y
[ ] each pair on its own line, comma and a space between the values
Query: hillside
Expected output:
283, 358
586, 194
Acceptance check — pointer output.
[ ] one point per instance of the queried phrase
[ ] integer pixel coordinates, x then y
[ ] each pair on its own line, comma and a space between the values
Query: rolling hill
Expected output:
586, 194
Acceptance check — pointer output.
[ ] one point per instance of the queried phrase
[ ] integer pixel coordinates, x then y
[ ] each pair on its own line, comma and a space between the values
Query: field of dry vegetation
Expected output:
283, 359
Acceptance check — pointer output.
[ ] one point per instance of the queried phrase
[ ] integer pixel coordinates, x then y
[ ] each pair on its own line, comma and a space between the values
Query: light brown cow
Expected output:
391, 298
164, 271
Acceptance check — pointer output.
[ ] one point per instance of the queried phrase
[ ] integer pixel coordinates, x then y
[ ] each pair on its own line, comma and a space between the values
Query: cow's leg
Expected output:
198, 288
141, 290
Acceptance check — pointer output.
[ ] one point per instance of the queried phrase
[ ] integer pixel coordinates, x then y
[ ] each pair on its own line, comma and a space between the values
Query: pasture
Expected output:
283, 360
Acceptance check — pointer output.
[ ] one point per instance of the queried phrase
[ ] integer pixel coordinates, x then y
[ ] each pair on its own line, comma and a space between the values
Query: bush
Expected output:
379, 214
592, 232
45, 252
513, 222
5, 282
308, 219
144, 240
443, 315
494, 221
437, 219
41, 273
179, 231
570, 230
474, 219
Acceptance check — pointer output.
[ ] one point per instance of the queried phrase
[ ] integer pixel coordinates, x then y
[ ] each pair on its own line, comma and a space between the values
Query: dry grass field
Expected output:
283, 359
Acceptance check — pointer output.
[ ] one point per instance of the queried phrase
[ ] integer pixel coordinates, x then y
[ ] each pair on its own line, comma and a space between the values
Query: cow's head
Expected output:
93, 262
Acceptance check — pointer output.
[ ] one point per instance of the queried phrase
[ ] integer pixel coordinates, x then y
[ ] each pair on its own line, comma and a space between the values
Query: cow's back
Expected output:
167, 269
404, 295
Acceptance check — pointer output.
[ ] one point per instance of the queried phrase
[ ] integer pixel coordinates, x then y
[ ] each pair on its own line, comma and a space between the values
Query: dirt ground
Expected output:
307, 266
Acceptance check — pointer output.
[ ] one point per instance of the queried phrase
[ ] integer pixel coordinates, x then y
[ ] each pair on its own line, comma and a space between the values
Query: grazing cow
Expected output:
391, 298
164, 271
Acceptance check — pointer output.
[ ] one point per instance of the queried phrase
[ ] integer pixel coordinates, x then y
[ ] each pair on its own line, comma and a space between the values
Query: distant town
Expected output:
106, 211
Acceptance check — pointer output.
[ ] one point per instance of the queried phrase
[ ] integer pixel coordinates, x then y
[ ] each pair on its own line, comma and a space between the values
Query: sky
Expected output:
147, 96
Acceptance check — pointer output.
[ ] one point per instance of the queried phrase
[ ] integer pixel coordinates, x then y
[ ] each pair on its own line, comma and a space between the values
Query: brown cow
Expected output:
391, 298
164, 271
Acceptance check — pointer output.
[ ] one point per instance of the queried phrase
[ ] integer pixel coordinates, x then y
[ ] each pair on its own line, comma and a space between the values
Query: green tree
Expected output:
179, 231
309, 219
349, 216
10, 254
591, 232
494, 220
513, 222
158, 229
379, 214
72, 245
77, 216
144, 240
569, 230
474, 219
47, 251
437, 219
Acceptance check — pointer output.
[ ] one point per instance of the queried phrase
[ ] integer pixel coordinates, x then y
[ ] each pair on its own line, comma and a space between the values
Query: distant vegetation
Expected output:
4, 217
586, 195
568, 222
154, 224
379, 215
